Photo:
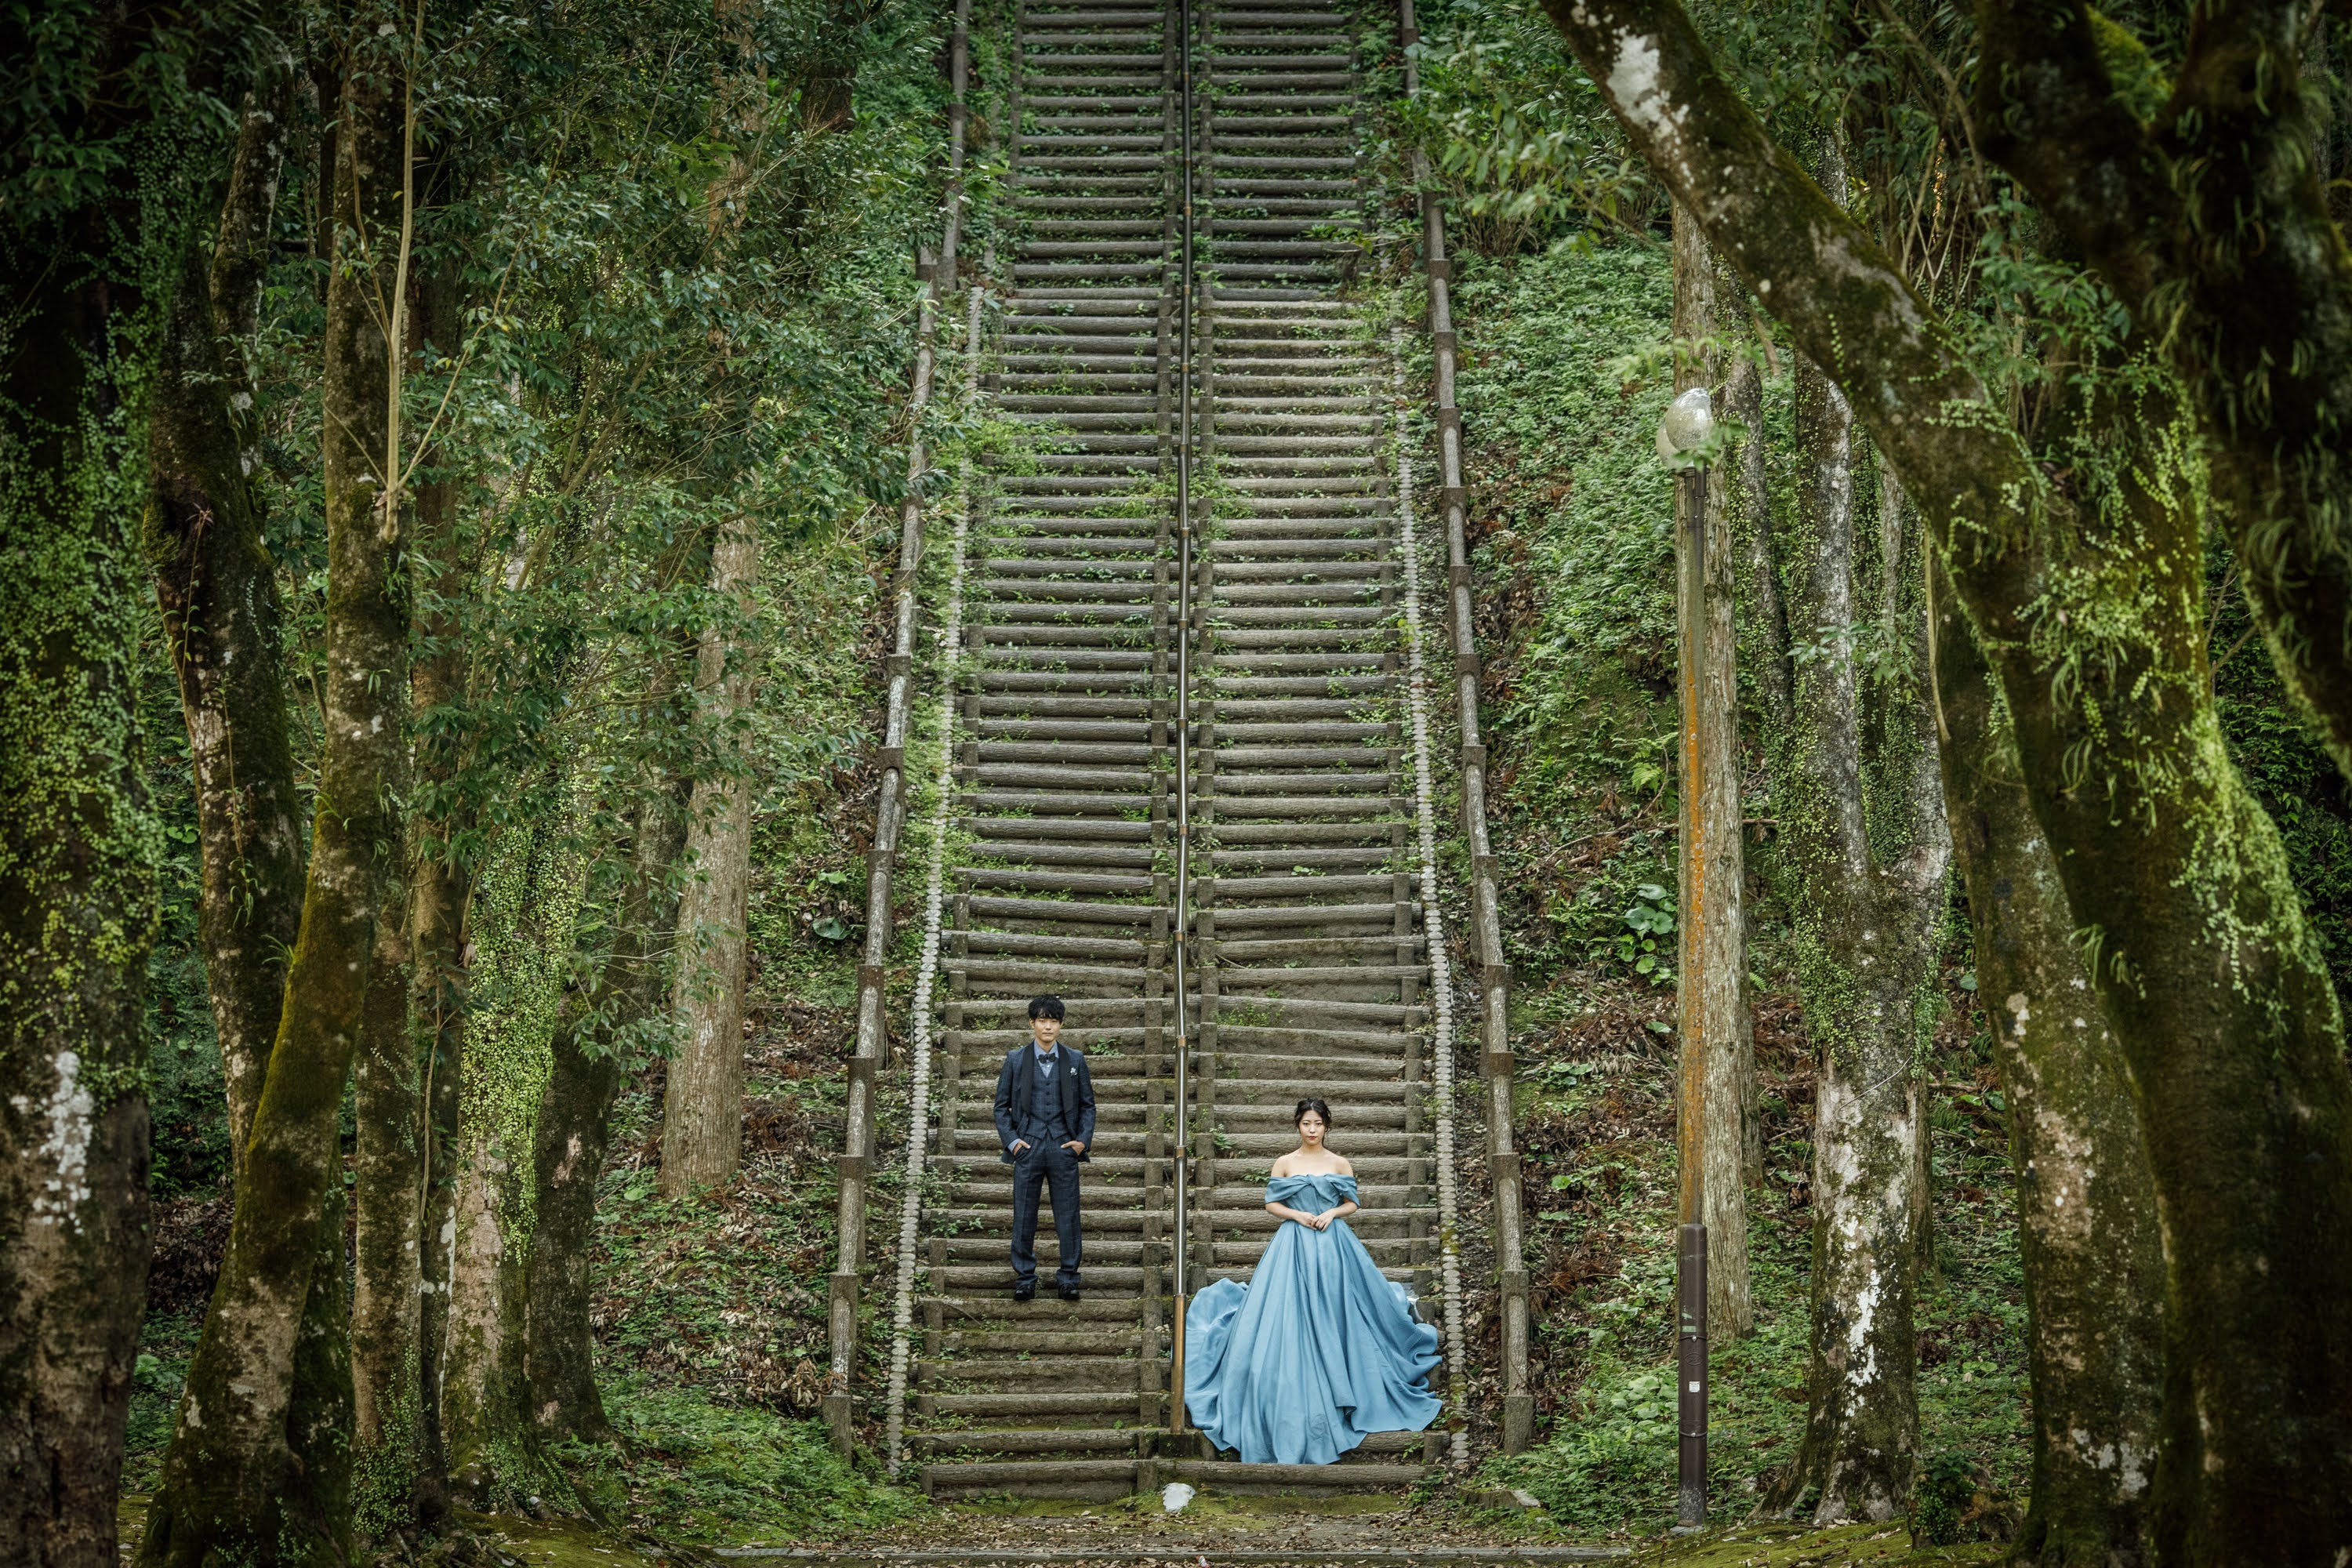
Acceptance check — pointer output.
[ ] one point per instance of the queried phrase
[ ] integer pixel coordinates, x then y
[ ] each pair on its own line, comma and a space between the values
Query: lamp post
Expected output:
1689, 421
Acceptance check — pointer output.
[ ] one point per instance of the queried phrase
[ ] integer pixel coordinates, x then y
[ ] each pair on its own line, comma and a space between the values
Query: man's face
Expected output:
1047, 1031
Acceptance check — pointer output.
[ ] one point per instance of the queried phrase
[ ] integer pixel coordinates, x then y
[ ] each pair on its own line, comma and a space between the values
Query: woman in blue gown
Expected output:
1318, 1351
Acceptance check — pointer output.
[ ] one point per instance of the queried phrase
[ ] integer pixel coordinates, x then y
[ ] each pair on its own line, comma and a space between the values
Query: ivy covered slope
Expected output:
1572, 517
711, 1310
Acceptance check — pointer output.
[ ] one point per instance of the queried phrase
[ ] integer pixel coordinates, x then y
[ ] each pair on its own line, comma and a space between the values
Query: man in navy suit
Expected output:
1044, 1120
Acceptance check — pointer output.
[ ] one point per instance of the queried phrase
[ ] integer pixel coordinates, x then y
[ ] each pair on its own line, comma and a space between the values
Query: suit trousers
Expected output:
1055, 1169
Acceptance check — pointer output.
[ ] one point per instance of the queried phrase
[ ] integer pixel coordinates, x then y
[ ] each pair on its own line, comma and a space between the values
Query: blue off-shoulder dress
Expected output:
1317, 1352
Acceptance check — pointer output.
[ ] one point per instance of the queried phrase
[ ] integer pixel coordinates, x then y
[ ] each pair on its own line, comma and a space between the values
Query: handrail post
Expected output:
1495, 1057
1181, 1293
936, 271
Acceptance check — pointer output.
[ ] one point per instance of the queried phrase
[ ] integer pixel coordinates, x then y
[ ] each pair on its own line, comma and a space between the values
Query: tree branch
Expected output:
2051, 116
1846, 304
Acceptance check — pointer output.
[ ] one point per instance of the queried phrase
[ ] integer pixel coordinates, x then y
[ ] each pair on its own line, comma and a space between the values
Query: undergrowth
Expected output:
687, 1469
1575, 561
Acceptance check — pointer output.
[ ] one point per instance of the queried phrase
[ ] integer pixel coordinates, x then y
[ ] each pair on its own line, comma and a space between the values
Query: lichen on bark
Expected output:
2087, 1201
79, 848
2089, 605
1863, 852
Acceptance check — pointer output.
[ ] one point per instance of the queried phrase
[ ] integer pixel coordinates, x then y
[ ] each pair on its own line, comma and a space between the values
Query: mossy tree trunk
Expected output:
1862, 839
78, 842
703, 1105
398, 1043
217, 591
1716, 1042
238, 1431
524, 932
440, 894
2087, 1203
387, 1273
2212, 224
2090, 614
575, 1129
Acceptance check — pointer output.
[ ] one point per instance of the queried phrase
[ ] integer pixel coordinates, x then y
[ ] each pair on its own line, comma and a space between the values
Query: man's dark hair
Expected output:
1046, 1006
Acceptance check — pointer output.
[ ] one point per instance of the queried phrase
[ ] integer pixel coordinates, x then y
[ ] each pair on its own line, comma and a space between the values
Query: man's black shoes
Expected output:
1025, 1290
1069, 1292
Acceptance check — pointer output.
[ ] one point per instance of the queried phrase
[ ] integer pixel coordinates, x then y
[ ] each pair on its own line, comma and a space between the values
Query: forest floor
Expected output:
1112, 1536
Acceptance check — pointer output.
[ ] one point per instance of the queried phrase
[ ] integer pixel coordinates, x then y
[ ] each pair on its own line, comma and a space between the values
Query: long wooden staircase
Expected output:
1311, 973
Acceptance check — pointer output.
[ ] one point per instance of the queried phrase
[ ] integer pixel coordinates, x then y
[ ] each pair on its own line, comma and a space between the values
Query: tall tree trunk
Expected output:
702, 1107
828, 99
440, 891
2094, 1258
440, 888
1714, 1036
222, 1491
78, 845
387, 1163
575, 1127
1859, 966
217, 590
1863, 831
2211, 974
395, 1071
1761, 636
524, 932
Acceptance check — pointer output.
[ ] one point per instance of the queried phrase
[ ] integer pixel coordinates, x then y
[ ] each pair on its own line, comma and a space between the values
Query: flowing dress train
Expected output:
1317, 1352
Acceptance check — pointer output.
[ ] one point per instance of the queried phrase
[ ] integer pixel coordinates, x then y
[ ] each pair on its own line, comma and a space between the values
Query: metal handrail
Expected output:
1183, 724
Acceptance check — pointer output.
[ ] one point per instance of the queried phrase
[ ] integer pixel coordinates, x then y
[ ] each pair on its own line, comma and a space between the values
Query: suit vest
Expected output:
1046, 1122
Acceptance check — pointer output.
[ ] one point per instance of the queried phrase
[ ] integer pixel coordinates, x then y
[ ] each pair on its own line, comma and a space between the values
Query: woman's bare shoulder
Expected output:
1281, 1167
1345, 1169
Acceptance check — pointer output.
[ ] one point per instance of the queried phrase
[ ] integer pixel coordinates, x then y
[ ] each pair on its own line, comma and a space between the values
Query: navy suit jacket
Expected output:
1014, 1086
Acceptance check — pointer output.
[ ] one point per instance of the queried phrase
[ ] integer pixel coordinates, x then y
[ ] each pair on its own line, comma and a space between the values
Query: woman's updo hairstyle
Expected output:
1317, 1107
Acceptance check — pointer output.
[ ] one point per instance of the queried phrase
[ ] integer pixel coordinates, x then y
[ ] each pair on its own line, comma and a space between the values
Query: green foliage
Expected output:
526, 915
80, 90
702, 1472
156, 1379
723, 1298
2278, 752
1596, 1133
1623, 1448
1947, 1483
1575, 555
1576, 502
187, 1089
1645, 943
1516, 132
